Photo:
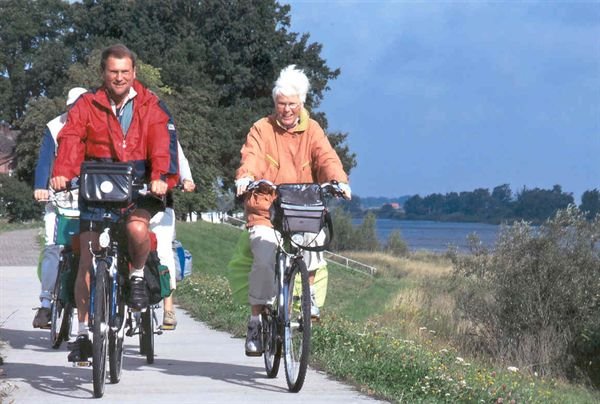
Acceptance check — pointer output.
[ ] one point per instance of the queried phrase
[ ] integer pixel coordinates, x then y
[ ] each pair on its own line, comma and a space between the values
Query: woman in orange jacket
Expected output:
285, 147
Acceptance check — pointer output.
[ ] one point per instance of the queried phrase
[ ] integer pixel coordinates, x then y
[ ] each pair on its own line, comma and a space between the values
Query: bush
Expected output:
533, 300
396, 245
16, 200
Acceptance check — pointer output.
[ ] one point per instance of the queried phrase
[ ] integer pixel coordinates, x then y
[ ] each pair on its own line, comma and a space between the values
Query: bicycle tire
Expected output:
115, 340
147, 335
99, 327
56, 316
271, 343
297, 326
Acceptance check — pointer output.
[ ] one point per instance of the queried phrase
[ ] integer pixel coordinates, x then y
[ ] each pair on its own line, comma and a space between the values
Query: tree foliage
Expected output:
213, 62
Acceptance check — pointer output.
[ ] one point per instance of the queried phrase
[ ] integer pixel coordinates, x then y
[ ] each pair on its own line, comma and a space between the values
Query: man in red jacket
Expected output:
120, 121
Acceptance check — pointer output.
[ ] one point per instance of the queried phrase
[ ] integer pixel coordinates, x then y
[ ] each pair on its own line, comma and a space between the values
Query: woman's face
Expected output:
287, 110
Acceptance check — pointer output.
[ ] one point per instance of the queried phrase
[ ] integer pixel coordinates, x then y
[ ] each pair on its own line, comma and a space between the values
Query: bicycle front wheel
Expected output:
100, 329
297, 326
115, 339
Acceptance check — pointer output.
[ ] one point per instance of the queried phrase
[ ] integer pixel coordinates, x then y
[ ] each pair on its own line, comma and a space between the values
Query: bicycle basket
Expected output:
106, 182
298, 208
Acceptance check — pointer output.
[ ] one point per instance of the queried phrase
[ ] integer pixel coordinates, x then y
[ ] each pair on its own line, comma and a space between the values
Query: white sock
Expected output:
83, 329
137, 272
46, 303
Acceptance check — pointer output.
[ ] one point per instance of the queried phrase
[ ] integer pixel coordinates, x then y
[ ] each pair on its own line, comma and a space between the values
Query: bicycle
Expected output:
107, 189
65, 204
298, 213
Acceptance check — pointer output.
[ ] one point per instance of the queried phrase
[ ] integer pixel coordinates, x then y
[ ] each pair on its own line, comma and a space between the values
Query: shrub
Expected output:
396, 245
16, 200
533, 300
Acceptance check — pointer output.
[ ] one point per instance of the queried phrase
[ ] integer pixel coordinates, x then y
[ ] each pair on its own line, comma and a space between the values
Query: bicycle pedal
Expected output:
82, 364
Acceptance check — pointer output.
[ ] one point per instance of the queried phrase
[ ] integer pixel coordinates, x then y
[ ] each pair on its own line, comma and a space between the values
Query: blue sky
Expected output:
443, 96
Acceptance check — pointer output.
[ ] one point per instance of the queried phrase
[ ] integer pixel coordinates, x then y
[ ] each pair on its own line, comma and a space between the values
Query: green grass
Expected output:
362, 337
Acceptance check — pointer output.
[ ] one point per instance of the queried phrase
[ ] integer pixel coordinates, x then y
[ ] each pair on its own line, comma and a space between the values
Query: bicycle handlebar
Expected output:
331, 188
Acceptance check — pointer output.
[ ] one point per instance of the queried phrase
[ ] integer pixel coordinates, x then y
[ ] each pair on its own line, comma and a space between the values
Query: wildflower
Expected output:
512, 369
444, 350
459, 359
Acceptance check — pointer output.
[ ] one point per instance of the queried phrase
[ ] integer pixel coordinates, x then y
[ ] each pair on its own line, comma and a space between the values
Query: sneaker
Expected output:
315, 312
254, 338
81, 349
138, 295
42, 318
169, 320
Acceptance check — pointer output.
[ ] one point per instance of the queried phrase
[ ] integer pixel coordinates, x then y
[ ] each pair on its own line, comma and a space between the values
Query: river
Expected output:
435, 236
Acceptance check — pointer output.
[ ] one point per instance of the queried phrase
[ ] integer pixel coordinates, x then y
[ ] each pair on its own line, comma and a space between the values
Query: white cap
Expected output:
74, 93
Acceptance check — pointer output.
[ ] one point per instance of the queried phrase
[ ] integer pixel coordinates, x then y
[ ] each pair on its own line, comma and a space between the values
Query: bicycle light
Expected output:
104, 238
298, 238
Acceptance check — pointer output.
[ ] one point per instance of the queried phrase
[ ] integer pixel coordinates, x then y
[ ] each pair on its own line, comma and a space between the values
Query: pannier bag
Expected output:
298, 208
158, 278
102, 182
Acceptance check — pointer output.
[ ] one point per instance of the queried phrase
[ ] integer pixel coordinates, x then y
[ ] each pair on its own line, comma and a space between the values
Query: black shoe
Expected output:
81, 349
138, 294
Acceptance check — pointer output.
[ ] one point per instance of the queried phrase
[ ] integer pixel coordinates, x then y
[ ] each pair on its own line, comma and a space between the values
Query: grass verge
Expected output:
369, 335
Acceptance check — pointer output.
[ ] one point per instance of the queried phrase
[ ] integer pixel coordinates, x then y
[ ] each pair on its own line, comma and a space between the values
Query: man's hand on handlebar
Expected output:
158, 187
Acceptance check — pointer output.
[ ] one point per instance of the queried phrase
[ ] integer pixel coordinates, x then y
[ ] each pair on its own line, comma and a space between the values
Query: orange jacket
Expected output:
302, 154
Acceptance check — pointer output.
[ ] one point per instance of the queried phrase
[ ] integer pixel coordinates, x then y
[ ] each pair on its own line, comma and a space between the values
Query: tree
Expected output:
590, 203
33, 57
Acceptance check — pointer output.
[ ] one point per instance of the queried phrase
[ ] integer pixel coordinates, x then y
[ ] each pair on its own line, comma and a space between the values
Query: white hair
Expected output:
291, 81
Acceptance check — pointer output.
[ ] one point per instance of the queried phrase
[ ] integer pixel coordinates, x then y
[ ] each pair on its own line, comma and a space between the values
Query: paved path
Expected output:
193, 363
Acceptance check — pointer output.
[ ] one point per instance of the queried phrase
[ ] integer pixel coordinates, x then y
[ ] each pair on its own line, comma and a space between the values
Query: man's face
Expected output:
288, 109
118, 76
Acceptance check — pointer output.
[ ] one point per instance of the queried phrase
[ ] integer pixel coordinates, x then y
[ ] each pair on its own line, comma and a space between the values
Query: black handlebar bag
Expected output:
298, 208
106, 182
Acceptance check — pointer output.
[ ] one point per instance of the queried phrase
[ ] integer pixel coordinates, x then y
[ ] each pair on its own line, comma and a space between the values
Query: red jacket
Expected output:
93, 132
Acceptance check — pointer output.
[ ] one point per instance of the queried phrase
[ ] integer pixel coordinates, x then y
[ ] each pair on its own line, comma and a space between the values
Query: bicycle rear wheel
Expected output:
297, 327
147, 335
271, 342
100, 326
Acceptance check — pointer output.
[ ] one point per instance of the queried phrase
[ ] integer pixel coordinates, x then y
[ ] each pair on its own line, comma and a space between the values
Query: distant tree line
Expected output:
500, 205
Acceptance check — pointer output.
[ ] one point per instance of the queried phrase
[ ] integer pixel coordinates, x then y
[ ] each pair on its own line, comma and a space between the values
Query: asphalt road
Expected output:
193, 363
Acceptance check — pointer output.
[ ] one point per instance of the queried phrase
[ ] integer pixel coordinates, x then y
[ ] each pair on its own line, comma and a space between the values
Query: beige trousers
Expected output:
263, 243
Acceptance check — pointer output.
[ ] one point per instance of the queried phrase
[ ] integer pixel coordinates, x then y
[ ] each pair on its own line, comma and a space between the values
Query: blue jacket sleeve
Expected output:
45, 161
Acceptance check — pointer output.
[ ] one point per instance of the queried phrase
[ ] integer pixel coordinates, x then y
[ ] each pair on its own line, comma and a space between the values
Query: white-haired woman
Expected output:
285, 147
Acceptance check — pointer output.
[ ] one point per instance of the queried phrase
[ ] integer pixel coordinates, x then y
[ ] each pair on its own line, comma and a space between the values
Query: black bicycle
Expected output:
107, 189
298, 215
67, 229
